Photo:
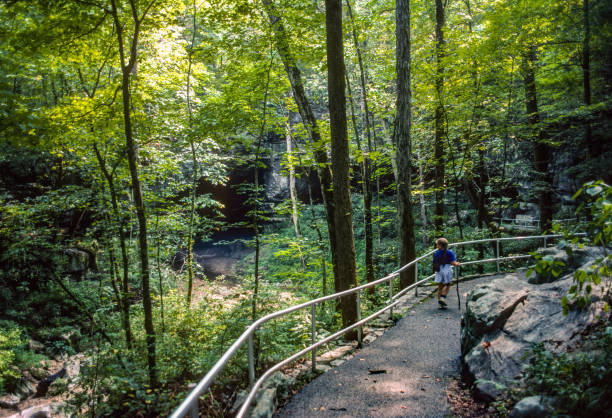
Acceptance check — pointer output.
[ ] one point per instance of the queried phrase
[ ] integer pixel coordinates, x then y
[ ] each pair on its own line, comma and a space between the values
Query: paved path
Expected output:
420, 355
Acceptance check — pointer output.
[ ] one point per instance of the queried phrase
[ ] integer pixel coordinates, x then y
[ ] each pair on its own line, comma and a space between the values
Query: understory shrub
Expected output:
580, 383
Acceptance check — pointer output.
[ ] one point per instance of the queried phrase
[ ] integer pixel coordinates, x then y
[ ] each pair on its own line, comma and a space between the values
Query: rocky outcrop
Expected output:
505, 317
572, 259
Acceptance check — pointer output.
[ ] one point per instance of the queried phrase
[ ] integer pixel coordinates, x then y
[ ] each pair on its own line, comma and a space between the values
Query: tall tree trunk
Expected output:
194, 162
159, 277
367, 164
367, 200
439, 122
132, 151
295, 219
390, 141
255, 211
424, 238
347, 268
541, 150
299, 95
402, 139
592, 148
125, 289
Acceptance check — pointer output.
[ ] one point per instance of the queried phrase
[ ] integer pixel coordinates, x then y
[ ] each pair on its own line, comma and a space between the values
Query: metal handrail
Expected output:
190, 404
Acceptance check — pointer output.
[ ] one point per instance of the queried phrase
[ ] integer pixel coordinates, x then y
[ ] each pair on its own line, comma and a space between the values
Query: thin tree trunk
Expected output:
295, 219
125, 289
390, 141
159, 276
256, 180
316, 227
439, 122
541, 150
586, 78
424, 238
346, 269
367, 171
402, 139
367, 200
194, 161
132, 152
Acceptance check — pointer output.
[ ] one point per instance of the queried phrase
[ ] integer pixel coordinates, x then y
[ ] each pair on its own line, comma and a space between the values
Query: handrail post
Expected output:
251, 360
313, 335
498, 255
359, 329
416, 278
544, 241
391, 297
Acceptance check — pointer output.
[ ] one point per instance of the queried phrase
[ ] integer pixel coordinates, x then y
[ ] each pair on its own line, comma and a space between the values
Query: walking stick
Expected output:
457, 287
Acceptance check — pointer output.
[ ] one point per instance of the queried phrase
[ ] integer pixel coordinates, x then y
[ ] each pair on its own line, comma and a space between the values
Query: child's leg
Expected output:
445, 290
440, 286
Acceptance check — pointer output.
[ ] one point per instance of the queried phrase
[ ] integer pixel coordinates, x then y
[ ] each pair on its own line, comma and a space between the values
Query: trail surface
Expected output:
403, 373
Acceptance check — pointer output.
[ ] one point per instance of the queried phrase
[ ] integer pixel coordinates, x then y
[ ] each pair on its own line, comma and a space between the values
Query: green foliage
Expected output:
581, 384
599, 228
546, 266
14, 355
599, 234
10, 340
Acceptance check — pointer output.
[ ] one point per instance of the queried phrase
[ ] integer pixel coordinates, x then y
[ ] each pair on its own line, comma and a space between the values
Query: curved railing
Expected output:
190, 404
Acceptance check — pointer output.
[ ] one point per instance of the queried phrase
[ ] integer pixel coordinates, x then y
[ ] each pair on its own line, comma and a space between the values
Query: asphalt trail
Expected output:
420, 355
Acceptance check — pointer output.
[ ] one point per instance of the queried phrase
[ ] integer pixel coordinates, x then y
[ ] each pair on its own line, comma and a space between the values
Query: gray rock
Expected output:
323, 368
505, 317
73, 366
10, 401
488, 308
487, 390
77, 261
36, 346
266, 404
52, 410
531, 407
275, 387
579, 257
240, 398
337, 362
25, 389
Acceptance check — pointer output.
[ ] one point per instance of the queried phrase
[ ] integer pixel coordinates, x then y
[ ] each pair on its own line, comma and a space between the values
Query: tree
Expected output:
346, 268
439, 130
128, 61
294, 75
541, 150
402, 140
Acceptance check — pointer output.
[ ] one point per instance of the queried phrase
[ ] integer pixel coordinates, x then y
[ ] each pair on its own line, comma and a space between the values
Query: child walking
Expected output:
443, 260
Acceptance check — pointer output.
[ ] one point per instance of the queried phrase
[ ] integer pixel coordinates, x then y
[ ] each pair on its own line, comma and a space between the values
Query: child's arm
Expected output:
455, 263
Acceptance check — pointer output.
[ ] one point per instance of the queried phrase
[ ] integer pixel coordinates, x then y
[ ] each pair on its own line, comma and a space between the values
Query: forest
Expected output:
172, 170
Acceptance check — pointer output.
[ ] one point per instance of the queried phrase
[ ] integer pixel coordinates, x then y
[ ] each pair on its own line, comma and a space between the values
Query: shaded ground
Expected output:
420, 358
219, 256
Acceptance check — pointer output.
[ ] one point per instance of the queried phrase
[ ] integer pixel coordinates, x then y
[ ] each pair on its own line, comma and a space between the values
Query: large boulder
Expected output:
504, 318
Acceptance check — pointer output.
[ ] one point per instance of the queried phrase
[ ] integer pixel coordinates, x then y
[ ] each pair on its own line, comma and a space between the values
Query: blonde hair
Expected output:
442, 242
